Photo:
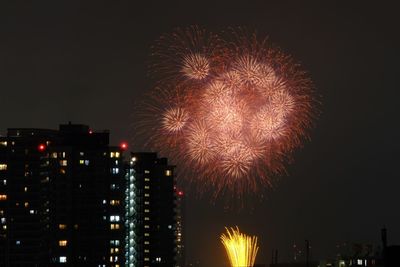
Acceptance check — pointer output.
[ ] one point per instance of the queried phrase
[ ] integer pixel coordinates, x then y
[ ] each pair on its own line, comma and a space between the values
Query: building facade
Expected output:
150, 212
61, 198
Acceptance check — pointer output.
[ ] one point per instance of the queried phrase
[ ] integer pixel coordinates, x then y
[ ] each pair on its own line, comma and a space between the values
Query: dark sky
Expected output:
67, 61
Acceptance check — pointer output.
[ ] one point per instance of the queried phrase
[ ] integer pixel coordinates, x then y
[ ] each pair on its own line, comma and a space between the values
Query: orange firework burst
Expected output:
229, 110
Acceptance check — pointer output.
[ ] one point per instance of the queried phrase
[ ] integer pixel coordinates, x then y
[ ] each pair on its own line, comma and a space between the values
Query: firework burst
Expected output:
240, 248
230, 109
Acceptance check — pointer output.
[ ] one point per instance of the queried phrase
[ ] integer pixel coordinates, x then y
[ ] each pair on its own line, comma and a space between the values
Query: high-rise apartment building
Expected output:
61, 198
150, 212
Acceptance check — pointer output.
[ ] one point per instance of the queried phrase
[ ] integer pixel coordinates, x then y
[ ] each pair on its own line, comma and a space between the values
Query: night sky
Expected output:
66, 61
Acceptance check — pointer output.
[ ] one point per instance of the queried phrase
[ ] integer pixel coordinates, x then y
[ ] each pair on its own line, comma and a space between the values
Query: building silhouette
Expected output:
61, 198
150, 212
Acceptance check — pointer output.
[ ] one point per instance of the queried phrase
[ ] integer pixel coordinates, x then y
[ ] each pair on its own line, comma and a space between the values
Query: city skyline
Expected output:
87, 63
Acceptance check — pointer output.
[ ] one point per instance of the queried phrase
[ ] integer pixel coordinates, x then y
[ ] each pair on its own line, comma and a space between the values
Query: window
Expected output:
87, 162
117, 154
147, 226
146, 210
26, 204
63, 259
114, 226
62, 243
168, 172
25, 189
62, 226
3, 197
32, 211
81, 161
114, 218
114, 202
146, 195
147, 203
146, 218
3, 143
54, 155
146, 179
146, 187
115, 170
146, 234
146, 171
112, 154
63, 162
3, 166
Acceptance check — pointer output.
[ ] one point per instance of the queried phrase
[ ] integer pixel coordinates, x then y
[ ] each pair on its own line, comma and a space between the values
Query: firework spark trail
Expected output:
232, 109
240, 248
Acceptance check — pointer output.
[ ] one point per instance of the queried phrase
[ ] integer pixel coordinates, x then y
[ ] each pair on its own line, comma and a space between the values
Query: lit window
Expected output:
359, 262
114, 202
114, 226
146, 234
112, 154
4, 182
63, 259
146, 179
115, 170
17, 242
146, 195
62, 171
81, 161
62, 243
146, 251
32, 211
63, 162
114, 218
25, 189
168, 173
147, 203
117, 154
26, 204
3, 143
3, 167
146, 259
146, 218
3, 220
146, 187
62, 226
3, 197
146, 242
54, 155
146, 210
146, 171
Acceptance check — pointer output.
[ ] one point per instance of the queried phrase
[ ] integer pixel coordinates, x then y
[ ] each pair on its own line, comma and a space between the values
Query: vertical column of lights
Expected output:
130, 216
146, 218
3, 196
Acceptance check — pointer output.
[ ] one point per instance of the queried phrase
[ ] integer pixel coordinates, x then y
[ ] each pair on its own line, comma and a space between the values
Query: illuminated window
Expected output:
146, 171
114, 218
26, 204
115, 170
147, 226
81, 161
147, 203
63, 154
3, 143
62, 226
114, 226
117, 154
25, 189
62, 171
3, 167
146, 259
146, 179
3, 197
62, 243
4, 182
146, 195
146, 210
32, 211
146, 187
54, 155
168, 173
146, 251
146, 242
112, 154
146, 234
63, 259
146, 218
63, 162
114, 202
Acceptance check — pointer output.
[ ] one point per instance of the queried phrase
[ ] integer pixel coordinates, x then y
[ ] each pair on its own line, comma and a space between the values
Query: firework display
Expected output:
240, 248
228, 108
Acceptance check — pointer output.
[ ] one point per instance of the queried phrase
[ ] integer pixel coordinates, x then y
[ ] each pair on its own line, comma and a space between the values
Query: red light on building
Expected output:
90, 131
124, 145
41, 147
180, 193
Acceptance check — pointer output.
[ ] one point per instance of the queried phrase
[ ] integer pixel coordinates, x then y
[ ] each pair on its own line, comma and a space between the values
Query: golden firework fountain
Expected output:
240, 248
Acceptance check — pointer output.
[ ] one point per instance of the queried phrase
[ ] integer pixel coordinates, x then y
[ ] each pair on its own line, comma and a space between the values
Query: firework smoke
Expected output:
229, 109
